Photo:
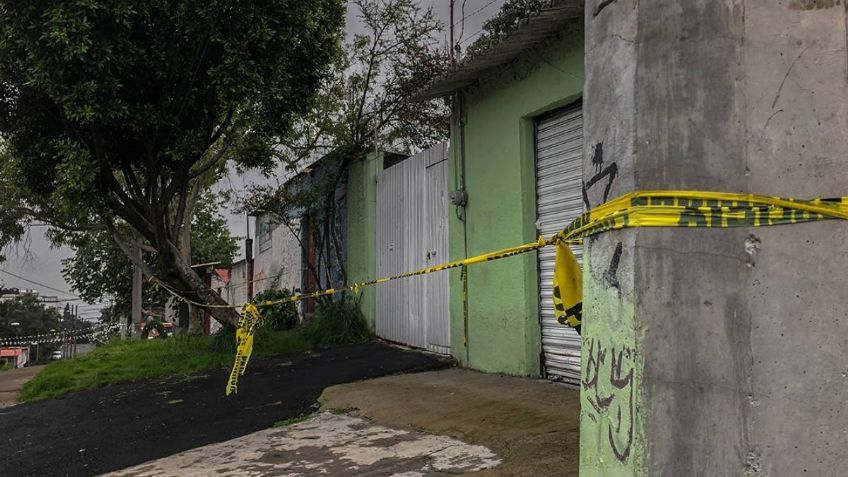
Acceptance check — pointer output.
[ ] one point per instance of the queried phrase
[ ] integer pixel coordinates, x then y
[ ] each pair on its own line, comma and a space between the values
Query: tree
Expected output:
504, 23
31, 316
99, 270
114, 113
368, 102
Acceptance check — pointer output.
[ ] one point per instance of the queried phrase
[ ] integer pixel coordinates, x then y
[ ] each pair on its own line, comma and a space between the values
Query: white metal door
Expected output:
559, 174
411, 234
436, 306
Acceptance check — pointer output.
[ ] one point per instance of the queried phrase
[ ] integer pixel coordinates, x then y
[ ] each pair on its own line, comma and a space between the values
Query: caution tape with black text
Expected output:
668, 208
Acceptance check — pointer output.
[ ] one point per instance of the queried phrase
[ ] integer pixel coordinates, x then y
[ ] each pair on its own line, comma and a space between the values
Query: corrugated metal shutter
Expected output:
559, 173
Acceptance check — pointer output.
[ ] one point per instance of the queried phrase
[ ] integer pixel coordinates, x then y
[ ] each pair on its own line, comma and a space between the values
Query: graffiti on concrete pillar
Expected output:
611, 275
608, 385
609, 172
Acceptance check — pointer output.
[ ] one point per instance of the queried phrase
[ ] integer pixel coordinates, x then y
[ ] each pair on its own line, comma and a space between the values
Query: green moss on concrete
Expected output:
611, 430
361, 230
503, 311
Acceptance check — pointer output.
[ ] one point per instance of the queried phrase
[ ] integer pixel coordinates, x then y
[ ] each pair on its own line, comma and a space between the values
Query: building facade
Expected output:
516, 154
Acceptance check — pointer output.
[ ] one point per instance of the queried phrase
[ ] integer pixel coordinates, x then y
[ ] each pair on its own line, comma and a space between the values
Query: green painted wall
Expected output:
503, 313
361, 229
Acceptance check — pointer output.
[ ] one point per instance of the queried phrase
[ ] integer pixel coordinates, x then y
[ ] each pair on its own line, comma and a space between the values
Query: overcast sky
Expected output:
37, 261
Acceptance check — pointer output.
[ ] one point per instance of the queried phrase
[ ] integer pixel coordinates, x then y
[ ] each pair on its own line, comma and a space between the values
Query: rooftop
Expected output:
530, 32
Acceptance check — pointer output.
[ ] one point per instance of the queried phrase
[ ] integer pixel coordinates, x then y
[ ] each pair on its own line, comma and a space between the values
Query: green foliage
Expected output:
282, 316
125, 361
210, 235
367, 102
122, 361
503, 24
291, 421
4, 366
372, 86
99, 269
338, 322
113, 111
32, 316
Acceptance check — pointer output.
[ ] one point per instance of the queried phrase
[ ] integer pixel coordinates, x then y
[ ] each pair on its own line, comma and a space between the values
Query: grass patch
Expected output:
125, 361
291, 421
4, 366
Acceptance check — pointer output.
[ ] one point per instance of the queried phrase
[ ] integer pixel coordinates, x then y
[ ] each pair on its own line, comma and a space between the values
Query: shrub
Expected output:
282, 316
338, 322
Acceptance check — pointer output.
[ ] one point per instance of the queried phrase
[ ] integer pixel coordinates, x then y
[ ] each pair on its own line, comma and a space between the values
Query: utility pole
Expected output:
452, 40
136, 290
66, 315
76, 317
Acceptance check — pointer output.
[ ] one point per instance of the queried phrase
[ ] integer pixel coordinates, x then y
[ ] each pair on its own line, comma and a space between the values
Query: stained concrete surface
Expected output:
733, 333
531, 425
12, 381
325, 444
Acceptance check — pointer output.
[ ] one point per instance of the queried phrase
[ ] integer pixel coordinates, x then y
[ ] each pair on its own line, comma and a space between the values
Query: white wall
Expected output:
277, 256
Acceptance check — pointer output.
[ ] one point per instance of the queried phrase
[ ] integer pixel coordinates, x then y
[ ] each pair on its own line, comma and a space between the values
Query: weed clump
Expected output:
338, 322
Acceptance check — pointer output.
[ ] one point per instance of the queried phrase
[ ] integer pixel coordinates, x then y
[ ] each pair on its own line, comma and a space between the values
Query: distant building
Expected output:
15, 356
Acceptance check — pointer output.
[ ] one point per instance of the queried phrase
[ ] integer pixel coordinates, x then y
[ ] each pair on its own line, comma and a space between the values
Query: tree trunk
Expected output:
201, 293
195, 320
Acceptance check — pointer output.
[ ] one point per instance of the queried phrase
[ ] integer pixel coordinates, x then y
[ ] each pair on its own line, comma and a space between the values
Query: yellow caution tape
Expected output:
672, 208
567, 288
248, 321
667, 208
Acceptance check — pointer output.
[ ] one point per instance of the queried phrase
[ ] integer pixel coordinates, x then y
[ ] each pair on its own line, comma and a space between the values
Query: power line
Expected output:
41, 285
471, 36
474, 12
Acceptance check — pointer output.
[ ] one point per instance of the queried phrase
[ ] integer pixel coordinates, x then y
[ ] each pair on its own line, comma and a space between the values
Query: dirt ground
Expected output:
12, 381
532, 425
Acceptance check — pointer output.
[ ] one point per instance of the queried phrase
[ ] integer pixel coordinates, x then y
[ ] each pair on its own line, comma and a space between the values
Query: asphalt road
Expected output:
101, 430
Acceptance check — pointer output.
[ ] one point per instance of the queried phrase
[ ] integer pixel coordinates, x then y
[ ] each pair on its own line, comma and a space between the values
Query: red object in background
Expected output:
17, 356
11, 352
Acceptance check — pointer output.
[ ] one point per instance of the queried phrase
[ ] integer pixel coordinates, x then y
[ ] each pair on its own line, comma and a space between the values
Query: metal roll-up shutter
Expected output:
559, 173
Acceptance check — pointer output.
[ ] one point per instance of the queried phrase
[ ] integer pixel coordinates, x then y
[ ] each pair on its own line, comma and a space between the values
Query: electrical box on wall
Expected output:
459, 197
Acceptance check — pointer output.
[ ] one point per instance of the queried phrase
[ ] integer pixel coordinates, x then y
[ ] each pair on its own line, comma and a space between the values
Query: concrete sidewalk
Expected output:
433, 423
531, 425
12, 381
325, 444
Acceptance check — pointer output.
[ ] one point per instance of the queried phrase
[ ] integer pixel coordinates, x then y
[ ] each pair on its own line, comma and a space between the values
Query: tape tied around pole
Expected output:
673, 209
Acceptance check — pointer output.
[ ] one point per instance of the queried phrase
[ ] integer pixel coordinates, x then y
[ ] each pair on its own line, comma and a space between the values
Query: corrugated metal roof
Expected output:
530, 32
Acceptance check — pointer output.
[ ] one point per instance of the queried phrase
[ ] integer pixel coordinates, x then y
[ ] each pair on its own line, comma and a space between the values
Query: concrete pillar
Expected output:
716, 352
